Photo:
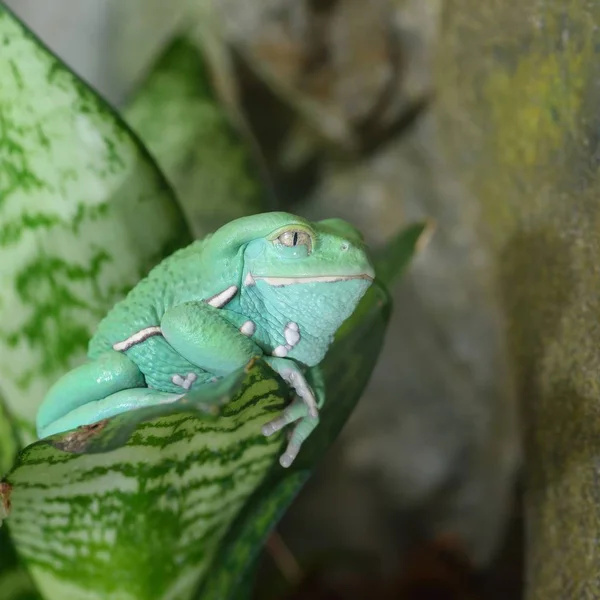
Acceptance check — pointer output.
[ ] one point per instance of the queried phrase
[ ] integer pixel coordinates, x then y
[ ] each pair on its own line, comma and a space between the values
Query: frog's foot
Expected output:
293, 376
296, 411
184, 382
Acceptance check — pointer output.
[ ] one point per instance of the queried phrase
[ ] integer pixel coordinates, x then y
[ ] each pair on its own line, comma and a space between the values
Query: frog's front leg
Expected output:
303, 409
203, 336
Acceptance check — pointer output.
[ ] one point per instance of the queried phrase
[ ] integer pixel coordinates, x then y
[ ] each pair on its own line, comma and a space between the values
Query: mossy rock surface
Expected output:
519, 87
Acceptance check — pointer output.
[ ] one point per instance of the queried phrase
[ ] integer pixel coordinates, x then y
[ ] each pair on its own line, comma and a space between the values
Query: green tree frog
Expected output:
272, 285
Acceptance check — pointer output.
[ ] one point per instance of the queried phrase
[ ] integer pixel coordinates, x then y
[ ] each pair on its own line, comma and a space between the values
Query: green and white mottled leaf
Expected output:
206, 159
84, 213
143, 519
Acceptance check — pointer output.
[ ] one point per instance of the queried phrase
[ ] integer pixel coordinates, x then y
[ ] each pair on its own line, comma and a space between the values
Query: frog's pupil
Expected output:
295, 238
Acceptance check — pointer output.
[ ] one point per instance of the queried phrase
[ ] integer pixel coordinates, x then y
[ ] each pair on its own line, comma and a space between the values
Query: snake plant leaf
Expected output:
206, 158
139, 514
346, 371
84, 212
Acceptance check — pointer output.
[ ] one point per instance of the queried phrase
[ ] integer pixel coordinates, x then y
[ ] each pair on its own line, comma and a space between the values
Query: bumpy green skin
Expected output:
271, 284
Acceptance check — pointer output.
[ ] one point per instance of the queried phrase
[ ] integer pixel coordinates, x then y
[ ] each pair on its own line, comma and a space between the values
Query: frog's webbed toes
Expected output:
294, 377
299, 435
296, 411
297, 381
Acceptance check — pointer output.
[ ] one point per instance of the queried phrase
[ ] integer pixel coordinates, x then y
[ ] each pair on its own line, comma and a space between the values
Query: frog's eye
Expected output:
293, 238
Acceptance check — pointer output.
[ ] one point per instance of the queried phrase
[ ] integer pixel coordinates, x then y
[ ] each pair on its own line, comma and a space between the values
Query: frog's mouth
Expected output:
283, 281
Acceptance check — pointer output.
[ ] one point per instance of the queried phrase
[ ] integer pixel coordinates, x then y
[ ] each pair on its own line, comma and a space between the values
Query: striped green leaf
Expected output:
84, 212
207, 160
137, 507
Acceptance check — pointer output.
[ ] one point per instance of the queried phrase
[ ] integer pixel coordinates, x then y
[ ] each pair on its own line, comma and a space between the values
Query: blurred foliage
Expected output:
84, 213
207, 161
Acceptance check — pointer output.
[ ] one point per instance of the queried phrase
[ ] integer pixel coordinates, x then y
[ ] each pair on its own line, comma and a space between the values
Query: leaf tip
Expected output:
429, 228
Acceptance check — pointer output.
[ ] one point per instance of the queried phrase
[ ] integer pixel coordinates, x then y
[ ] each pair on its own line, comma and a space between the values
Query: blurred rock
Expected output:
520, 87
350, 72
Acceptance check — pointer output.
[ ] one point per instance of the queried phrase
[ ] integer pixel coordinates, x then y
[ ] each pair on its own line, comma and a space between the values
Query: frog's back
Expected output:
146, 303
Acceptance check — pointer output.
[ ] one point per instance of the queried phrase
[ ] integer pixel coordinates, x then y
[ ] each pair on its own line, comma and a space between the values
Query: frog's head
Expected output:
301, 281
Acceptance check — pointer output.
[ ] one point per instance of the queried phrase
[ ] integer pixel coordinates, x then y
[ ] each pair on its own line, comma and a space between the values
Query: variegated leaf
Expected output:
83, 214
137, 507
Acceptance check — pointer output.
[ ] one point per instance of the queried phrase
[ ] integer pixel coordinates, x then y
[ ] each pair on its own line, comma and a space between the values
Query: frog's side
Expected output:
271, 284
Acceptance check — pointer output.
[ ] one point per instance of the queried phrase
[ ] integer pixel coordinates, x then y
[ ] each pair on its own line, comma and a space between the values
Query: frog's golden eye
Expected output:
293, 238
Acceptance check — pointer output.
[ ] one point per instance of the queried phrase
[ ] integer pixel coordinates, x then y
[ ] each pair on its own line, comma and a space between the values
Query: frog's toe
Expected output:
295, 411
299, 435
288, 457
272, 426
298, 382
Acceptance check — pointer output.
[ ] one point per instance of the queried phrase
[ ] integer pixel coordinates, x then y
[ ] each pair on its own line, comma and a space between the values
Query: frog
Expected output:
271, 285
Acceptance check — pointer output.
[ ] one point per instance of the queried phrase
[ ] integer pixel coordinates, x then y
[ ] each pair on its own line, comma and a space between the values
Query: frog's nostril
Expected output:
345, 246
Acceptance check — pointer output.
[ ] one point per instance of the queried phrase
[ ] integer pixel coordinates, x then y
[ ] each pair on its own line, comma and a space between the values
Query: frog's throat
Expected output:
283, 281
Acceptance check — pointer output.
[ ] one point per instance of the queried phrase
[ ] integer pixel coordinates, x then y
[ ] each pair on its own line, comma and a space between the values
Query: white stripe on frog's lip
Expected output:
282, 281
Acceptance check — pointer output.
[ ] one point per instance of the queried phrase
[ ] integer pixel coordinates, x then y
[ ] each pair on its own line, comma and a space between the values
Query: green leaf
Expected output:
136, 507
84, 213
395, 256
15, 582
205, 157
